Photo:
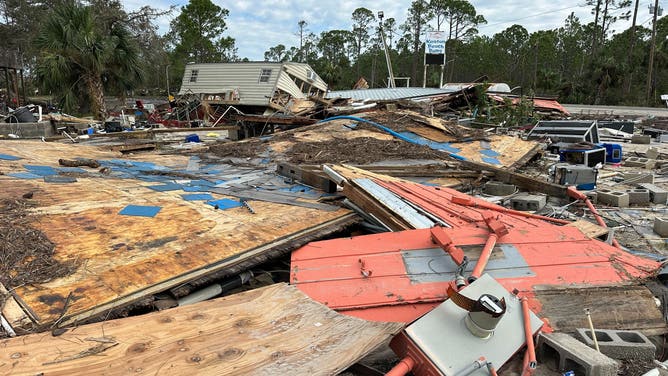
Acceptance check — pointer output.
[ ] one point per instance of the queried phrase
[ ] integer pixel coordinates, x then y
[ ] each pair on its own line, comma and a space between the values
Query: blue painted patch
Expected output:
166, 187
202, 183
7, 157
140, 210
491, 160
444, 146
265, 161
77, 170
297, 188
489, 153
224, 204
59, 179
195, 188
24, 175
41, 170
197, 197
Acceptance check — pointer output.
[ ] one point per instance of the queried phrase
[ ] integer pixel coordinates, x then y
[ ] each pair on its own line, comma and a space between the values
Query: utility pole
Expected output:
387, 52
167, 78
650, 69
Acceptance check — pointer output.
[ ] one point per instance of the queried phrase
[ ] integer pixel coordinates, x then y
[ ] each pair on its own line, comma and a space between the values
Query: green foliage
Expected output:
197, 34
79, 57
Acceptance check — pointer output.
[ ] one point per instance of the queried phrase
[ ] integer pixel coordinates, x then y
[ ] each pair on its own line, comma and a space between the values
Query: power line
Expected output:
529, 16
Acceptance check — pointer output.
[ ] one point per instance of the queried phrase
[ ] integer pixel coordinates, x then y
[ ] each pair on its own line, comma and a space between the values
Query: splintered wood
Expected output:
276, 330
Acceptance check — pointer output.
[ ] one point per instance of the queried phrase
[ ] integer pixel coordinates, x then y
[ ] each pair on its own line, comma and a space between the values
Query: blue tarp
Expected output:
140, 210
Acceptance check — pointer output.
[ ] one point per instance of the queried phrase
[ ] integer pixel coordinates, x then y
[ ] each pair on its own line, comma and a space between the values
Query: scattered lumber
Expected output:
268, 331
87, 162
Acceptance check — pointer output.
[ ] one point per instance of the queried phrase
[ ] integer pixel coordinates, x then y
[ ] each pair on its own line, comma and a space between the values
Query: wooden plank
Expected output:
523, 181
273, 198
616, 307
310, 176
135, 147
276, 330
371, 206
591, 230
11, 310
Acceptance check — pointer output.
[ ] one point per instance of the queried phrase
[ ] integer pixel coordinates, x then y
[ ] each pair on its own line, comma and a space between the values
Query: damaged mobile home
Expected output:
253, 87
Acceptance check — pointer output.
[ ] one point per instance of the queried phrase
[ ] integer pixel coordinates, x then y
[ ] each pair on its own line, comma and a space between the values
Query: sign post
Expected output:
434, 53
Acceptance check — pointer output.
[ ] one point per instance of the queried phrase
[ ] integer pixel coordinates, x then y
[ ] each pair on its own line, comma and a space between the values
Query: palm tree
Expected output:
78, 59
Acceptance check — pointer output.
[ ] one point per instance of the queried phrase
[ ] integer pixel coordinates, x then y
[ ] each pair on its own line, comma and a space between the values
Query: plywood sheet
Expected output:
507, 150
276, 330
123, 258
591, 230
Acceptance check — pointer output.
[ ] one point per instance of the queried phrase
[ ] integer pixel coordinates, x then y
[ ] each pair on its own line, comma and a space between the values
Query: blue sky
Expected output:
260, 24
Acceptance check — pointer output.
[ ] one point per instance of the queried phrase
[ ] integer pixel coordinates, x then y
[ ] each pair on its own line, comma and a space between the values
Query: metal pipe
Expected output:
591, 328
466, 201
215, 289
599, 219
478, 364
528, 333
484, 257
574, 193
404, 366
491, 369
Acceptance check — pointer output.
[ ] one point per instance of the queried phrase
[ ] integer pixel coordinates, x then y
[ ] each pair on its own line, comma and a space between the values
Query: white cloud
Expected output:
260, 24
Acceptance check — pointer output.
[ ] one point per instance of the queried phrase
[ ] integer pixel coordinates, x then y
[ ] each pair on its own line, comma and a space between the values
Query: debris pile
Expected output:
535, 241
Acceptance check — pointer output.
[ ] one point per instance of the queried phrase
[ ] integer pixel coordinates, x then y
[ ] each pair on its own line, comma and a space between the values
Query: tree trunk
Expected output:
605, 16
594, 34
416, 50
629, 77
96, 93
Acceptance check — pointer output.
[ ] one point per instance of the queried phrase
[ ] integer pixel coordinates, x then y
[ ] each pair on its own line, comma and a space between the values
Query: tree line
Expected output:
78, 50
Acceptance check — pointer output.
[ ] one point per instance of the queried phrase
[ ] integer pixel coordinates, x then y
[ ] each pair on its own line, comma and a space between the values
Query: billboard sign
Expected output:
435, 43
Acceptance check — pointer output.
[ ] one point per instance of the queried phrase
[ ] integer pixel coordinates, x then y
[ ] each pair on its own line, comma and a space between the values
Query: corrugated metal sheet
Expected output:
387, 93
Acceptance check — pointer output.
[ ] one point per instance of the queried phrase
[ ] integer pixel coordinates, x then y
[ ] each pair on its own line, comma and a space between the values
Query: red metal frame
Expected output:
329, 271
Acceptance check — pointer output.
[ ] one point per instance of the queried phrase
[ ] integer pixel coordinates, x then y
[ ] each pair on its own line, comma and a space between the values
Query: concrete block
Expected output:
640, 162
656, 194
528, 202
638, 196
641, 139
496, 188
619, 344
562, 352
661, 226
652, 153
593, 196
638, 177
613, 198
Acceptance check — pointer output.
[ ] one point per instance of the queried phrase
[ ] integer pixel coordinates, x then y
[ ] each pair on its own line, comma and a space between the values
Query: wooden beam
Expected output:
523, 181
313, 177
272, 330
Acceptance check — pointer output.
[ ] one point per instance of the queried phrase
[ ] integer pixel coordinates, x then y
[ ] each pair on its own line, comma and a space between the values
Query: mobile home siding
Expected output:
245, 77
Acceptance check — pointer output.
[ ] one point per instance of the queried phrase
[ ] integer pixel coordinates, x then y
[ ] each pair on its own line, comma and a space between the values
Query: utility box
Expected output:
613, 153
582, 177
588, 157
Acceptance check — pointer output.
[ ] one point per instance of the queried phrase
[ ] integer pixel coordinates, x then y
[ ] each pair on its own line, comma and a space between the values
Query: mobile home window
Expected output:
193, 75
265, 74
